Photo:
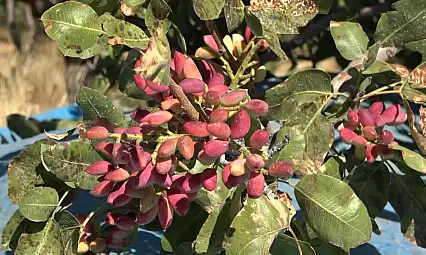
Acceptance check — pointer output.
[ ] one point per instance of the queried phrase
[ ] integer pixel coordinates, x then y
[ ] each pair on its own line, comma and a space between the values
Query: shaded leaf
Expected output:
414, 95
22, 126
68, 161
73, 25
234, 14
256, 226
212, 233
288, 244
418, 137
371, 182
100, 83
123, 32
39, 203
22, 171
68, 224
407, 198
95, 105
46, 241
125, 79
184, 229
402, 26
350, 39
332, 168
344, 219
208, 9
99, 47
419, 46
324, 5
179, 36
12, 231
311, 133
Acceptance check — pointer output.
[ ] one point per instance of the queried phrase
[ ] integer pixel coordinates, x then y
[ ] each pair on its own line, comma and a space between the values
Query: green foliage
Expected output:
236, 208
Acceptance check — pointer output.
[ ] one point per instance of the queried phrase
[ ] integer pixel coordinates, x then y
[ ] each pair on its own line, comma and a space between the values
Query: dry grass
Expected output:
33, 82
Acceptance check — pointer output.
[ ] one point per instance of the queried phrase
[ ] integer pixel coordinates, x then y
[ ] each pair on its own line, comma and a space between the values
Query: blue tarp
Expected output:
390, 242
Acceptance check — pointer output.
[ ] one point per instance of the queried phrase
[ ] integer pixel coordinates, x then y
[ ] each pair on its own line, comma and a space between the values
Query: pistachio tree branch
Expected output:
211, 26
183, 99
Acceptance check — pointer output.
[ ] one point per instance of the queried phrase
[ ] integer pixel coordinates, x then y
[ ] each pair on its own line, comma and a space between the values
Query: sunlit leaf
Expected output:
234, 14
208, 9
12, 231
350, 39
345, 220
402, 26
311, 134
122, 32
95, 105
257, 225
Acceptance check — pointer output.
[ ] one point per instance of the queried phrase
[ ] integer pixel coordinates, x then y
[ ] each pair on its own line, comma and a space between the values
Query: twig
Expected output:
184, 101
211, 26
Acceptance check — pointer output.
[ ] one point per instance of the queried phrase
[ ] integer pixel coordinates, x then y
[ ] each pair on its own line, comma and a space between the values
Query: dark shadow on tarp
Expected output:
365, 249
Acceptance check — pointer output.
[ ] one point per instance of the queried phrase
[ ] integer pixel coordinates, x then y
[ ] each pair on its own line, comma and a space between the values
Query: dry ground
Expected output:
33, 82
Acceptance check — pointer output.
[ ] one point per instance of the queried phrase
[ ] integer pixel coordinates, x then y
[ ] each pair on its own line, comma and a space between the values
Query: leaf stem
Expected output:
296, 240
91, 215
380, 91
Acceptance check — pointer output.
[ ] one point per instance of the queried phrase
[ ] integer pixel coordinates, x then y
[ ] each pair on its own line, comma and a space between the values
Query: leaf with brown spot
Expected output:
123, 32
422, 121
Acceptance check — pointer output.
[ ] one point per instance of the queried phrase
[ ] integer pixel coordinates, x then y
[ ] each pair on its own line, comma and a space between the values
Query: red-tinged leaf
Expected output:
258, 139
196, 128
179, 201
102, 189
365, 117
216, 79
376, 108
390, 113
163, 165
209, 40
221, 130
99, 167
281, 169
185, 145
192, 85
190, 70
117, 175
165, 213
257, 107
233, 98
168, 148
353, 118
215, 148
386, 137
147, 217
401, 70
347, 135
209, 179
255, 185
255, 162
218, 115
240, 124
97, 133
